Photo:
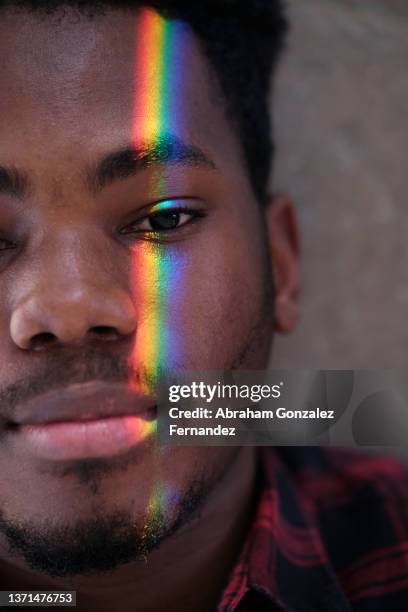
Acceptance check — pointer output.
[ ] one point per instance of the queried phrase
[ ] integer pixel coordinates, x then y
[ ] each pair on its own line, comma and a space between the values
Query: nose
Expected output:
86, 313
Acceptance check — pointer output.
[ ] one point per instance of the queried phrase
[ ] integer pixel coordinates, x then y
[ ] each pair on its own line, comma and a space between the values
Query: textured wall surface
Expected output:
341, 121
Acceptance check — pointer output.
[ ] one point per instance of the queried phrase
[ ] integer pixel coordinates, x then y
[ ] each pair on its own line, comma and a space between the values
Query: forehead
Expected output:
67, 80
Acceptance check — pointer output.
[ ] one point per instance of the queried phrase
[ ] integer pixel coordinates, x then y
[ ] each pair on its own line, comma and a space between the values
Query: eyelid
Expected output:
168, 202
171, 204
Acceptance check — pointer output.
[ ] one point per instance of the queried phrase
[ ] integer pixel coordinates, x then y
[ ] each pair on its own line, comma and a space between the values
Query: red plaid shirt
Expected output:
330, 534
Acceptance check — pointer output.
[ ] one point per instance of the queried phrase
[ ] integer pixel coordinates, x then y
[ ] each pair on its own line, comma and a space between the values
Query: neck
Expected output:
188, 571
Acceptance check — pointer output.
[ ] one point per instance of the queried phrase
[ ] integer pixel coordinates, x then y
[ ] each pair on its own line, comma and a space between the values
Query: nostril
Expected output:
43, 340
104, 332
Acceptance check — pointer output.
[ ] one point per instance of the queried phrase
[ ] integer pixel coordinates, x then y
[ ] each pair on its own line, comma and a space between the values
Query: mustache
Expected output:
72, 368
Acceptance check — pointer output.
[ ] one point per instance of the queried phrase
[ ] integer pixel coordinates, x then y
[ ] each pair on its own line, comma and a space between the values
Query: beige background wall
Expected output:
341, 120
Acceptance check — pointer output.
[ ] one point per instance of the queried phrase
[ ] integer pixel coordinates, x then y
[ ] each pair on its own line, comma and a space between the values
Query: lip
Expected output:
82, 402
88, 420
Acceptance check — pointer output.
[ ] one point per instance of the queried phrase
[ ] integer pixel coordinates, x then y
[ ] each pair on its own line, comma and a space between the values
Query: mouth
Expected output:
88, 420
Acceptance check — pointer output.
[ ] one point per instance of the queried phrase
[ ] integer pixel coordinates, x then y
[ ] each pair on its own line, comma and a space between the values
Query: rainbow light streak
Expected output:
159, 73
141, 429
157, 267
164, 495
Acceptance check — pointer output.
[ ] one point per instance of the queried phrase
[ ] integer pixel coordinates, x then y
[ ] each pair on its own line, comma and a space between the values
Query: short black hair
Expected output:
242, 40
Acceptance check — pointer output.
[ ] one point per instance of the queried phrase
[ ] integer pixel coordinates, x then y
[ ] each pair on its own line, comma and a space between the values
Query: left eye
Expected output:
164, 221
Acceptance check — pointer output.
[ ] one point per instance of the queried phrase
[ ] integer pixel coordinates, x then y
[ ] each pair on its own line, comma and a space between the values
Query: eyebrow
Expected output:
13, 182
130, 160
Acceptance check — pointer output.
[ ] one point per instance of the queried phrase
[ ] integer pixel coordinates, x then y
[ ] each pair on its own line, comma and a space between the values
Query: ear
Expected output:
284, 248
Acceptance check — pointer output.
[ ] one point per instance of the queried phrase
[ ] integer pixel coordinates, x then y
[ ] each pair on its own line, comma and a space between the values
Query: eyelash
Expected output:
134, 228
6, 245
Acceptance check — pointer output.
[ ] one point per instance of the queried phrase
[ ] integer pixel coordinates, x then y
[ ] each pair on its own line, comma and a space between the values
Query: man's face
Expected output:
96, 285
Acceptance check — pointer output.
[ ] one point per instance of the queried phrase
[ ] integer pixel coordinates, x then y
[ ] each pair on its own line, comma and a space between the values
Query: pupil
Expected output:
165, 221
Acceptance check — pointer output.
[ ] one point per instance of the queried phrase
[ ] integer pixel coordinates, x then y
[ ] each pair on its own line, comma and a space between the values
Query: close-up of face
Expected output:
132, 246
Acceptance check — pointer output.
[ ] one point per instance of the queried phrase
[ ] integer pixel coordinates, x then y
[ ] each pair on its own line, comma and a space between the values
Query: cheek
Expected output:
198, 300
227, 290
225, 303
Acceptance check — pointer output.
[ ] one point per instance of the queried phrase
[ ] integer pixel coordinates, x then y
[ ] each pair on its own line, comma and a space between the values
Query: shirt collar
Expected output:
283, 559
